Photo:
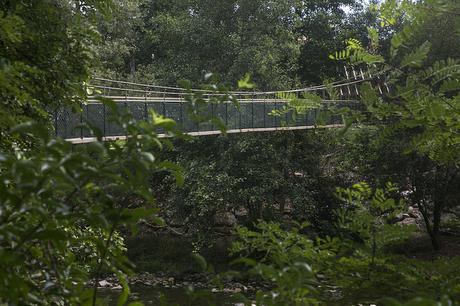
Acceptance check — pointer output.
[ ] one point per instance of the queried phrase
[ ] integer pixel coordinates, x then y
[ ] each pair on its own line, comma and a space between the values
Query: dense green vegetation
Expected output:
367, 214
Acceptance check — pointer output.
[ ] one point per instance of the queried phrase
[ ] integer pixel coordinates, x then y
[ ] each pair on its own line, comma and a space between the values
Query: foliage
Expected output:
367, 215
366, 227
278, 44
422, 105
289, 260
41, 68
55, 198
188, 37
63, 209
297, 105
120, 33
354, 267
254, 176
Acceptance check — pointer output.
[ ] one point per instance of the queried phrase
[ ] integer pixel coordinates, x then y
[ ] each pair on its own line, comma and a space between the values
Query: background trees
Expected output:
256, 177
418, 120
42, 67
280, 43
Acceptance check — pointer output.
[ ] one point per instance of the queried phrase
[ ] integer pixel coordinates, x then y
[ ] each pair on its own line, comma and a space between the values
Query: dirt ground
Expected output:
419, 246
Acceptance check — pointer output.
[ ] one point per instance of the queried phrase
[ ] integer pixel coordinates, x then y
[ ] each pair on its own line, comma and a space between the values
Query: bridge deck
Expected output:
210, 133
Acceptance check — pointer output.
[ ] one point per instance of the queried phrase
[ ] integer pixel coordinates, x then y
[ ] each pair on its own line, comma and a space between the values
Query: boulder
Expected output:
104, 284
241, 212
408, 221
225, 219
288, 207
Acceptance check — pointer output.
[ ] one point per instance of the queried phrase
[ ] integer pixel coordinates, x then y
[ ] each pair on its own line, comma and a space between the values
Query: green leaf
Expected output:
55, 235
373, 36
109, 103
245, 83
139, 213
415, 59
201, 261
450, 85
175, 170
125, 293
437, 110
32, 128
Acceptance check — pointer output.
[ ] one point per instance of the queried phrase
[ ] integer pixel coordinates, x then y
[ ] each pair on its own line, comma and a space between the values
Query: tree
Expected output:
278, 43
421, 114
230, 38
41, 67
60, 205
323, 28
62, 208
120, 36
255, 176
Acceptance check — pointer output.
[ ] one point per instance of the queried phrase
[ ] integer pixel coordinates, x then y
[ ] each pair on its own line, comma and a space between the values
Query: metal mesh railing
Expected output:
70, 125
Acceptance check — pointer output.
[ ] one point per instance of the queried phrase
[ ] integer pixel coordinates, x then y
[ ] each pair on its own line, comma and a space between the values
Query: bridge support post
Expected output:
81, 121
252, 112
226, 113
264, 114
239, 113
287, 118
181, 110
103, 120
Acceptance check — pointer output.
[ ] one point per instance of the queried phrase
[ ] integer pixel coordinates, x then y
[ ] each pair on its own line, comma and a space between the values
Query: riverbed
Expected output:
153, 296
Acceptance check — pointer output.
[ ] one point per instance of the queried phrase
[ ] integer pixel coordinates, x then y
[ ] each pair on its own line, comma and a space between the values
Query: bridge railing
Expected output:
69, 124
253, 112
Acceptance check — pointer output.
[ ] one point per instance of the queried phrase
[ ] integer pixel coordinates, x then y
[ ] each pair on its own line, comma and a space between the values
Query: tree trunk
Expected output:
432, 226
435, 238
282, 205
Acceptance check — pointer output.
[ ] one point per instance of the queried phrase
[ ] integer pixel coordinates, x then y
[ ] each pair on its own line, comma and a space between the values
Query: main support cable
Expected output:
179, 91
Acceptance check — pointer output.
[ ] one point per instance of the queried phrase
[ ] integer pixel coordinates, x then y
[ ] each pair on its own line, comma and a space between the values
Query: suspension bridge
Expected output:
252, 113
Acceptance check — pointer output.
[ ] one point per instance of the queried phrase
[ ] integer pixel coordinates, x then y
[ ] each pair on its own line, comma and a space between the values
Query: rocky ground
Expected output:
198, 281
413, 216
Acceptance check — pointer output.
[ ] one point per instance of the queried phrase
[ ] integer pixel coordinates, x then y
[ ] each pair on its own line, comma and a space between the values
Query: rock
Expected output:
117, 287
214, 290
414, 213
225, 219
176, 223
288, 208
408, 221
225, 230
104, 284
399, 218
241, 212
405, 216
299, 174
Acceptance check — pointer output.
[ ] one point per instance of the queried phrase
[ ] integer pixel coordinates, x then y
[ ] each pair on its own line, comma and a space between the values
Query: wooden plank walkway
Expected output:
84, 140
